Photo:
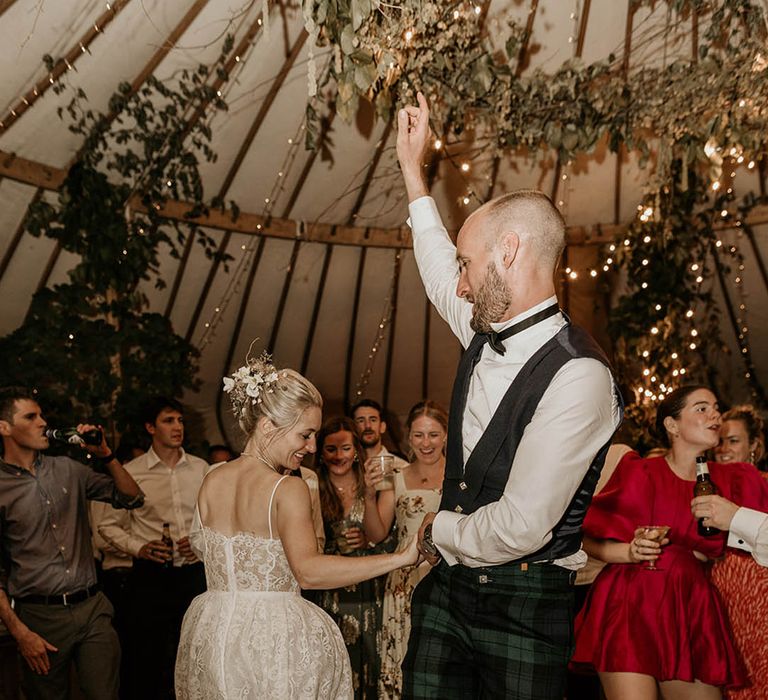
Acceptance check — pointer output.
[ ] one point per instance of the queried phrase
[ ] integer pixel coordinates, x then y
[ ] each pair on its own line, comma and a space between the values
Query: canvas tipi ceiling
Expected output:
330, 287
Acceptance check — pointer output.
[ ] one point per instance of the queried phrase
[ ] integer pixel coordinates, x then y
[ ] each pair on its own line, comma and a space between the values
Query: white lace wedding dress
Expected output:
252, 635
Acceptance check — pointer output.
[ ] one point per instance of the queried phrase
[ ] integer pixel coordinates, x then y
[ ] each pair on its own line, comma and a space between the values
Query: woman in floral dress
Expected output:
356, 609
417, 492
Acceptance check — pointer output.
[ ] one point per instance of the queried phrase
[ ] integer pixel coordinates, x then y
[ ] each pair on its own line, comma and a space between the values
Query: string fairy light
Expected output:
62, 66
249, 249
362, 383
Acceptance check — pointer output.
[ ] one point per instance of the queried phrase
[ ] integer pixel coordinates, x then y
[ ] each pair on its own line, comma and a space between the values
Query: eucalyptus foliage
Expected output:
90, 346
684, 116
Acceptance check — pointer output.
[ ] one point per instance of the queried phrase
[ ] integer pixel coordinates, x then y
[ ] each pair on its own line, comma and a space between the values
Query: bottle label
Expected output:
701, 467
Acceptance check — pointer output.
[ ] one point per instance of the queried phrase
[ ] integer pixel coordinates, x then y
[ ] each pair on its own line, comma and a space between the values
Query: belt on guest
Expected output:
62, 599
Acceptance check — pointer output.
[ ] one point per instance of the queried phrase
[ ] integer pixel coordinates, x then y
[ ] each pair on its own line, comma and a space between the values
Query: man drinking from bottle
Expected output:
46, 560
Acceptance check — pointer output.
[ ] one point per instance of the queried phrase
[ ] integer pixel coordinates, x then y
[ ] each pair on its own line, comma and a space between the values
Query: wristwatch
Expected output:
427, 544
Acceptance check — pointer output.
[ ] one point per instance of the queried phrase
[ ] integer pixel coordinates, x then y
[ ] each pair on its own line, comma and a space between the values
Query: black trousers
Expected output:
116, 584
159, 598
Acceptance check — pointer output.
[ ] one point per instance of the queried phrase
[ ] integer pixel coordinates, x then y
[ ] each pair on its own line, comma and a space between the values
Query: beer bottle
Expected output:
70, 435
704, 487
168, 542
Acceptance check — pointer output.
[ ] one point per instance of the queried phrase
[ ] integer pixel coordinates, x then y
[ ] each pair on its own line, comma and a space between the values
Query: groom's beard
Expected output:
491, 302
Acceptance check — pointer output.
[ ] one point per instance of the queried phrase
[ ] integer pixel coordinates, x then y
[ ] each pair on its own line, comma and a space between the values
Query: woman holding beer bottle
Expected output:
652, 623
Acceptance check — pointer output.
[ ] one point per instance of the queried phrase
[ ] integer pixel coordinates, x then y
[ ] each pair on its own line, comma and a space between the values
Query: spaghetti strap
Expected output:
272, 498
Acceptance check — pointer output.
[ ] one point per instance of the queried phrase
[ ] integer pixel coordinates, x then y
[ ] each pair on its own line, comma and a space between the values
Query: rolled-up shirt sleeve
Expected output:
115, 528
749, 531
101, 487
576, 417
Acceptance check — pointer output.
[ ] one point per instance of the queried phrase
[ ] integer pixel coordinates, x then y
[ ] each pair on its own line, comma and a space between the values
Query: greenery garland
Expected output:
691, 113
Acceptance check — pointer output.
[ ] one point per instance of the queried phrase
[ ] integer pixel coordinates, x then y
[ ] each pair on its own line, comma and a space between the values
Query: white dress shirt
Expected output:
171, 497
749, 531
111, 556
576, 416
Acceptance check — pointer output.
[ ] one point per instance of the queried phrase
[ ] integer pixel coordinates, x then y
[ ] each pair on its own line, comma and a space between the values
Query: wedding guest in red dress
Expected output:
741, 581
662, 631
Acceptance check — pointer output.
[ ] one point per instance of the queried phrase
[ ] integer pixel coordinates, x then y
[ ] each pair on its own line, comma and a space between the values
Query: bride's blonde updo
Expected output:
259, 390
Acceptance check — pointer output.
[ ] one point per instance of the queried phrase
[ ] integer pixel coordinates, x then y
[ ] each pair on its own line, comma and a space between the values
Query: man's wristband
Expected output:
108, 458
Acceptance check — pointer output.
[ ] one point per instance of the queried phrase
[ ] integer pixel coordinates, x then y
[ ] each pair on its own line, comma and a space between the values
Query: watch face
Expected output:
429, 547
427, 543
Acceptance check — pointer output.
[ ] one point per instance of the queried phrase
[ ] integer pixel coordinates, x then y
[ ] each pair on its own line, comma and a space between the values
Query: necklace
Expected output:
263, 460
344, 489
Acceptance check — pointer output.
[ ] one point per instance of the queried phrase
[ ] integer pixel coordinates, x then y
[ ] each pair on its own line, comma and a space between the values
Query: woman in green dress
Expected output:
347, 508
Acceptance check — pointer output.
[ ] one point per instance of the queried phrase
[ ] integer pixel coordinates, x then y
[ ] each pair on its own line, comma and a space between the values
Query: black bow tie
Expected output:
496, 340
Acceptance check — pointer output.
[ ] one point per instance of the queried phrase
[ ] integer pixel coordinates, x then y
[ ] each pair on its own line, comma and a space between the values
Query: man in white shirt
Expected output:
164, 580
532, 414
367, 416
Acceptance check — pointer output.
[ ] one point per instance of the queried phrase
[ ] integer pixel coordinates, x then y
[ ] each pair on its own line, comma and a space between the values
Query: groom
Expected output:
533, 410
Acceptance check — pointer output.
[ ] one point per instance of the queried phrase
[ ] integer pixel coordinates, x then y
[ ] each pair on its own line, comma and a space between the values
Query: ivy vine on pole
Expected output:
90, 346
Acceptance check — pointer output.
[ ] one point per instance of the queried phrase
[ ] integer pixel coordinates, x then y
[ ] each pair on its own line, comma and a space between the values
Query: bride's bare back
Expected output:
235, 498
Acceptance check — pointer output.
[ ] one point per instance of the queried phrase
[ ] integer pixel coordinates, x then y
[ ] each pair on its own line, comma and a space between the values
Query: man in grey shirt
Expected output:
46, 557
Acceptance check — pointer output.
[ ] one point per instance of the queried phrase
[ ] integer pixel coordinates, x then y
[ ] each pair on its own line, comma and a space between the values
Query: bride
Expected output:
252, 634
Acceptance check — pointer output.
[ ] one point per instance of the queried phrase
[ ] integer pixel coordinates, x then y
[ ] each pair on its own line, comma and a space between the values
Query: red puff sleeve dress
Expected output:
668, 623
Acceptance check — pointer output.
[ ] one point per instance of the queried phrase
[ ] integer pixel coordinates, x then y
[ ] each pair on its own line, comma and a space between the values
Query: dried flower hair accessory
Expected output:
247, 384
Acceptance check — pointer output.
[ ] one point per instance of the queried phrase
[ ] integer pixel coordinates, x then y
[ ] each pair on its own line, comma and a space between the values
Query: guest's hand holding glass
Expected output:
378, 472
647, 543
355, 538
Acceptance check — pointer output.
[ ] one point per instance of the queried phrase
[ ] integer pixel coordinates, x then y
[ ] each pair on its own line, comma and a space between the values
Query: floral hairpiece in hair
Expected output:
248, 384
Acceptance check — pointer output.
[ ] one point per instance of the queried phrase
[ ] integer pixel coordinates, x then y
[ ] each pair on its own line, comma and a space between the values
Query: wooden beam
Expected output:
157, 57
395, 293
17, 236
522, 55
425, 349
226, 369
353, 330
583, 28
316, 309
30, 172
6, 5
62, 65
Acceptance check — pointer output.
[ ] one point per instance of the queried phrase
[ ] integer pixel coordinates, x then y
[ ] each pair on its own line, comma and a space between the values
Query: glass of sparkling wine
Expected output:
657, 533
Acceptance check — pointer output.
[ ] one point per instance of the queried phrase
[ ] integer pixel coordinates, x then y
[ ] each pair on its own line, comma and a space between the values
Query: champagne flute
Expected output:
655, 533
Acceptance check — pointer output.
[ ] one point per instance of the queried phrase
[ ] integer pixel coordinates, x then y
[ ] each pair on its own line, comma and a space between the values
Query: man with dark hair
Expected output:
220, 453
367, 415
533, 410
46, 559
164, 579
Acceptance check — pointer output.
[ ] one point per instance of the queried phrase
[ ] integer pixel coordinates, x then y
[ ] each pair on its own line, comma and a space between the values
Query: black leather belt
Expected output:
63, 599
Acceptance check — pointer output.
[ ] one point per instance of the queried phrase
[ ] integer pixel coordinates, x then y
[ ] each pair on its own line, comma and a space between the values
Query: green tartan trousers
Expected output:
496, 632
